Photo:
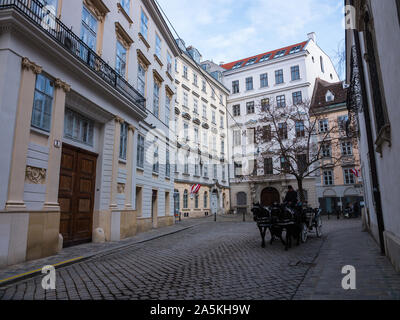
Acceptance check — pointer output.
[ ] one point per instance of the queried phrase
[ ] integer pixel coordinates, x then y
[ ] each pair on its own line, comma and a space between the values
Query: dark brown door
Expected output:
76, 195
269, 196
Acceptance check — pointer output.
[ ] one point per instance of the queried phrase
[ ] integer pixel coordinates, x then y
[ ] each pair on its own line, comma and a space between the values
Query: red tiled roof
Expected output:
320, 90
229, 66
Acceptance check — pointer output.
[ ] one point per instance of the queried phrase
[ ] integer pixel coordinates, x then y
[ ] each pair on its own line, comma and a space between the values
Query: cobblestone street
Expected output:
224, 260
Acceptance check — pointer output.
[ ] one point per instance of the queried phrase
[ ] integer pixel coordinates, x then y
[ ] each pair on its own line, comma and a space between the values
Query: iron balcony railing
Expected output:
44, 19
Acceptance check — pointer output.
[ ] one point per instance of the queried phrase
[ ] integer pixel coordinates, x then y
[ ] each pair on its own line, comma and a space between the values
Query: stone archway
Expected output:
269, 196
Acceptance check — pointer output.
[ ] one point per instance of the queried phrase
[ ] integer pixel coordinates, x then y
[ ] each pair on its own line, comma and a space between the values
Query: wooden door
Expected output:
76, 195
269, 196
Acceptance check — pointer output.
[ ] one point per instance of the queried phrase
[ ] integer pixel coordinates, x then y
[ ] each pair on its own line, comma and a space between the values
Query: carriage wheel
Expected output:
304, 232
318, 227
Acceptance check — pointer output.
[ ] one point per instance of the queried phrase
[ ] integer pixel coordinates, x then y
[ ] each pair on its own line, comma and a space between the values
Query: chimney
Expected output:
312, 36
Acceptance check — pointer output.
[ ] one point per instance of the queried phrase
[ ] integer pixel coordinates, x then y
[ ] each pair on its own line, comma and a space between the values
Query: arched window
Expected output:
185, 199
205, 200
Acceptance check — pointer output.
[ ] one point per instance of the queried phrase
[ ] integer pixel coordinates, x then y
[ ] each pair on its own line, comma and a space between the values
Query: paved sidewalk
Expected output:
85, 251
376, 278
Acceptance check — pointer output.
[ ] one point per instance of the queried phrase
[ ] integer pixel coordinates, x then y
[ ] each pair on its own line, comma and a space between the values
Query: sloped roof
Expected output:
322, 87
230, 65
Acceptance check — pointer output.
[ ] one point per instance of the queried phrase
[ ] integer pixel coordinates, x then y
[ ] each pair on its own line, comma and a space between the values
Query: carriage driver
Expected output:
291, 197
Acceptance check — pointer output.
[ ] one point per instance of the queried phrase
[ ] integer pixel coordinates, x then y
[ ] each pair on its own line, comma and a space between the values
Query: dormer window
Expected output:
237, 65
265, 57
280, 53
251, 61
329, 97
295, 49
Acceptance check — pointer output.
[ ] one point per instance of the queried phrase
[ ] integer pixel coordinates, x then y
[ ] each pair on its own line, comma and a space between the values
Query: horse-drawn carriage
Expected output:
295, 221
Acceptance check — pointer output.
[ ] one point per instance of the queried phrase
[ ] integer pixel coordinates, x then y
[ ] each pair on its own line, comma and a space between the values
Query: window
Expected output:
295, 50
42, 103
300, 132
196, 135
279, 76
264, 104
342, 122
323, 125
322, 64
267, 134
250, 107
125, 5
167, 109
206, 170
156, 162
205, 200
297, 97
214, 140
223, 173
176, 65
328, 177
251, 61
167, 164
237, 138
281, 101
196, 168
213, 117
156, 100
283, 134
268, 166
205, 138
221, 122
186, 131
249, 83
347, 148
251, 136
176, 162
195, 79
123, 141
140, 152
222, 147
144, 25
221, 100
185, 72
235, 86
196, 201
264, 80
78, 128
185, 99
169, 63
177, 201
295, 71
120, 62
265, 57
158, 46
141, 79
285, 167
238, 169
204, 87
195, 106
185, 199
186, 165
236, 110
237, 65
204, 111
88, 31
279, 54
215, 171
326, 150
301, 160
213, 93
348, 176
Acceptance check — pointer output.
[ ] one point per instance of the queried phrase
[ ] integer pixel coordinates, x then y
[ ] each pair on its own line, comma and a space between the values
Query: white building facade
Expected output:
200, 126
280, 77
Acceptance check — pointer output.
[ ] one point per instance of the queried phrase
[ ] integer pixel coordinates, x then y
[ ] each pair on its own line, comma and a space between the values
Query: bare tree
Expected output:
293, 141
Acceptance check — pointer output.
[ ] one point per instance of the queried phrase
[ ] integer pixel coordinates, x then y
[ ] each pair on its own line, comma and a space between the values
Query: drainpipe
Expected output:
371, 149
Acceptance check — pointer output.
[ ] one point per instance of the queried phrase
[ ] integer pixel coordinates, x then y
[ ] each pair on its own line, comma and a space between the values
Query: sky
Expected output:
229, 30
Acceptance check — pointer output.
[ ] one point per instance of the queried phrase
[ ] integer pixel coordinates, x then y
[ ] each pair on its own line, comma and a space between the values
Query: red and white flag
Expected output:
195, 188
355, 172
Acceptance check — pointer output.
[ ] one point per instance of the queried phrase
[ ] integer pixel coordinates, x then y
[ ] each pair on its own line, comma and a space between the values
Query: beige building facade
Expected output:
73, 106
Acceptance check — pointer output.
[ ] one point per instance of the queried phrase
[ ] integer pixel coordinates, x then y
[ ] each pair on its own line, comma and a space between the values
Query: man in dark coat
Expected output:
291, 197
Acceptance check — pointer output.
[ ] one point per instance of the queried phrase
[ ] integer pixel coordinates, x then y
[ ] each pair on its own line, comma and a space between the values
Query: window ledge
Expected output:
158, 60
141, 37
122, 161
140, 169
122, 10
296, 80
40, 131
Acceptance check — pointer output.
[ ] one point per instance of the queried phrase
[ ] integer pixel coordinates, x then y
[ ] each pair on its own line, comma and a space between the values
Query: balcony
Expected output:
43, 19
